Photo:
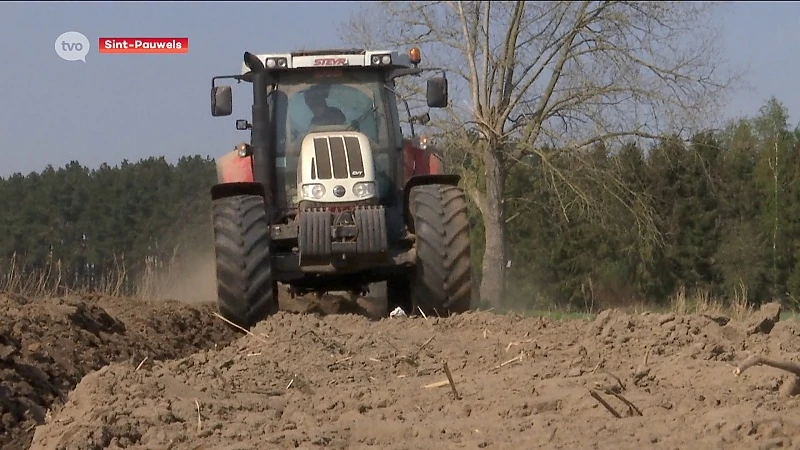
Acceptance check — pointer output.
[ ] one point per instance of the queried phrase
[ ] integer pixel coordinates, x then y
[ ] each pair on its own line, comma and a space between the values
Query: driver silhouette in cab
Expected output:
316, 100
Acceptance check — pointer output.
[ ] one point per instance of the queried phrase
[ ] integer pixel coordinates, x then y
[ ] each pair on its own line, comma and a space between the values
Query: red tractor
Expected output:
329, 195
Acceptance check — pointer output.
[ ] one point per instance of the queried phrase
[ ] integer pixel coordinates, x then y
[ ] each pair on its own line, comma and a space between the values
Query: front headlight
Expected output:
364, 189
313, 191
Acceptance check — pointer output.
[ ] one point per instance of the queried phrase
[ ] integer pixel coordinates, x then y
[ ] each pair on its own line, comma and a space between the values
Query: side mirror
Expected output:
221, 101
437, 92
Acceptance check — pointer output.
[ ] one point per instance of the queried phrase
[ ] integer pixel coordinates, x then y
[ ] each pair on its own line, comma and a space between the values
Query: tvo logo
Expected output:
72, 46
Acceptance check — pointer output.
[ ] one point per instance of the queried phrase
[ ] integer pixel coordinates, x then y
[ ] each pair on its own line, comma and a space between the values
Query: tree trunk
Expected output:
493, 211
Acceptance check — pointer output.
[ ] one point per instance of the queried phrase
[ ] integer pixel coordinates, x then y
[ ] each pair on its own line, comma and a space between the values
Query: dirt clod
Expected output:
765, 319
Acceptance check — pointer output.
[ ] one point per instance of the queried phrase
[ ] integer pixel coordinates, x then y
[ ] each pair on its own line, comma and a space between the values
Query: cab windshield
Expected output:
304, 101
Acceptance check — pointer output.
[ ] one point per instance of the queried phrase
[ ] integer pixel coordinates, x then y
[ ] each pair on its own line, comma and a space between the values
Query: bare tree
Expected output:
561, 76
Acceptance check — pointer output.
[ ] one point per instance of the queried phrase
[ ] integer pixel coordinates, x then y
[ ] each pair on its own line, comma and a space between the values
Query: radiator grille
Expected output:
337, 157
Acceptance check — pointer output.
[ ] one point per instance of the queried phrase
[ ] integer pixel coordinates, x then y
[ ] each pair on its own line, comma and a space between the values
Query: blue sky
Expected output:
117, 107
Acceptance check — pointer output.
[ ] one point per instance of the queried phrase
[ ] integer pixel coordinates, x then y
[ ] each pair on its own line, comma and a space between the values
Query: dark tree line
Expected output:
726, 206
86, 226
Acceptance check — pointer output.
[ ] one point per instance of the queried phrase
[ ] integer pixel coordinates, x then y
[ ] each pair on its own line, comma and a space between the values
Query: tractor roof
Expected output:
333, 58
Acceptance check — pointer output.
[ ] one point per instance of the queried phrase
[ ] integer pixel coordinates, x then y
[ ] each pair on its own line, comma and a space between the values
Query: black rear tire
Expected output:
246, 290
442, 282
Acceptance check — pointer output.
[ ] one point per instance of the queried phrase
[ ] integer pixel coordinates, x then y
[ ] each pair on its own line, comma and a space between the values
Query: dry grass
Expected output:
190, 278
701, 302
682, 302
153, 281
51, 281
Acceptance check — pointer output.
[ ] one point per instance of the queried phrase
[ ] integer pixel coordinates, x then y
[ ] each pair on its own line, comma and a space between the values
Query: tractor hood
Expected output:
336, 166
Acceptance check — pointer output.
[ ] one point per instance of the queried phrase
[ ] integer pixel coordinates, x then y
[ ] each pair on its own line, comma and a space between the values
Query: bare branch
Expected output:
470, 54
552, 80
485, 82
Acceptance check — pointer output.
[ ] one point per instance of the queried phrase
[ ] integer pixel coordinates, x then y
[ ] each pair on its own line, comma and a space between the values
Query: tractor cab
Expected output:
335, 127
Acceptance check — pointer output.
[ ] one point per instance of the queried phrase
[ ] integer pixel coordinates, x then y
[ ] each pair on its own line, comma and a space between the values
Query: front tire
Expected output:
246, 290
442, 282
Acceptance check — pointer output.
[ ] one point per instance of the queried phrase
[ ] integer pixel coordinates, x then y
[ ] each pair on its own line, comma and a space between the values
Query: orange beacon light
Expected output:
414, 55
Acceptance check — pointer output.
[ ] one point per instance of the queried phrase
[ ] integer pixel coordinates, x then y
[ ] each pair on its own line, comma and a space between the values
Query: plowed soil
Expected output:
307, 380
47, 346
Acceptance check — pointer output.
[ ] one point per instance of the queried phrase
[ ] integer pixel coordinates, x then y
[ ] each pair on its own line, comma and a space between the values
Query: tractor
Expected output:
329, 195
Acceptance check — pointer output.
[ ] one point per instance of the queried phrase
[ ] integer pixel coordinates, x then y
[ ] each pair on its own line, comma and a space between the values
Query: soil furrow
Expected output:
48, 345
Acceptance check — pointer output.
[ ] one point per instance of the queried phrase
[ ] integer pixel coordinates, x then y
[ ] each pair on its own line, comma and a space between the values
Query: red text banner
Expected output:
143, 45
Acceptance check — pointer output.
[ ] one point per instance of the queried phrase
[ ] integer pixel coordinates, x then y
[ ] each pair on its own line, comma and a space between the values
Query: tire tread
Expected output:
246, 292
443, 282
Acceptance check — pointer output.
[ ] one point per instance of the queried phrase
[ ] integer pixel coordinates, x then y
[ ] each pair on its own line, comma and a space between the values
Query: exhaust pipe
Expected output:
263, 151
